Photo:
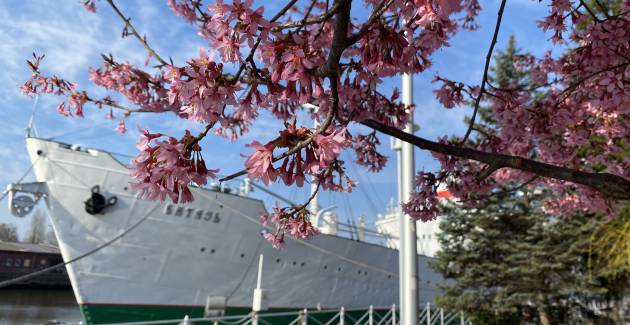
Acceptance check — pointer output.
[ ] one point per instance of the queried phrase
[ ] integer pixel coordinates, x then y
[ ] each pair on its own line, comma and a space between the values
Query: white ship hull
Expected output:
181, 255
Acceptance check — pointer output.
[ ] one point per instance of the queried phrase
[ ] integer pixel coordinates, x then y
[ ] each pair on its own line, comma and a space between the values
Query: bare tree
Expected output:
8, 232
51, 238
37, 230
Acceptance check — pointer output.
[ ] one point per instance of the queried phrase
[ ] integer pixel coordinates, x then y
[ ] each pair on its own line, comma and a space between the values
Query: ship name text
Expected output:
191, 213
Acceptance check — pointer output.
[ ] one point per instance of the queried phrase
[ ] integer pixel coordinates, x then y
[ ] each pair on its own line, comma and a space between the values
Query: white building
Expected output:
427, 232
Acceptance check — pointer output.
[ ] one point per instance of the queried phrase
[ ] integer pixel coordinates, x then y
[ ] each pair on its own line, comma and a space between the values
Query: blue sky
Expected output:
73, 40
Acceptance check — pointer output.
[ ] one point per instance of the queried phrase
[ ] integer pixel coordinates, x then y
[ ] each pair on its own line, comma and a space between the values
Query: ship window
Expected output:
43, 262
212, 251
302, 264
9, 262
389, 276
17, 263
27, 262
203, 249
294, 263
277, 260
325, 267
339, 269
242, 255
359, 272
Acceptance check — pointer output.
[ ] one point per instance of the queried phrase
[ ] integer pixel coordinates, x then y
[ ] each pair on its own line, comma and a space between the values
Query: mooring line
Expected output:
60, 265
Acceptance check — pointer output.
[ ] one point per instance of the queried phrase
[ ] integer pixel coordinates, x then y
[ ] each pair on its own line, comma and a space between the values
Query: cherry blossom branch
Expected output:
142, 40
315, 20
502, 192
612, 186
250, 56
484, 80
237, 77
339, 42
334, 102
378, 11
590, 11
330, 70
574, 85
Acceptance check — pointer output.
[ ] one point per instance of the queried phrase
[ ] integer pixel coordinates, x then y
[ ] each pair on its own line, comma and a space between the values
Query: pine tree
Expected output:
509, 262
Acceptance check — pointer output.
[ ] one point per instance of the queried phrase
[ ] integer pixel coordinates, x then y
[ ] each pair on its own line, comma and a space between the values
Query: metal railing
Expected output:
373, 316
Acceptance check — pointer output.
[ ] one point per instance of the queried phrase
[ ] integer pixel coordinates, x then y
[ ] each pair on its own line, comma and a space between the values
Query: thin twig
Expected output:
135, 33
482, 89
590, 12
378, 11
311, 21
334, 98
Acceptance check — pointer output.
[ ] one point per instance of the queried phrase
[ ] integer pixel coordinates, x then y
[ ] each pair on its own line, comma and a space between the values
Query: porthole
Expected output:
212, 251
325, 267
389, 276
359, 272
302, 264
365, 272
203, 249
242, 255
277, 260
294, 263
339, 269
125, 188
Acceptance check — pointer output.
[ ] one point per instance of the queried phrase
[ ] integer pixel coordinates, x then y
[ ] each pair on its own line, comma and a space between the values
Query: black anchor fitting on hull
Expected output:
97, 202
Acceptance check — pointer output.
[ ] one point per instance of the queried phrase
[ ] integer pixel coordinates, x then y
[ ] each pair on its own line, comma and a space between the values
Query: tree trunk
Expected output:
545, 319
615, 311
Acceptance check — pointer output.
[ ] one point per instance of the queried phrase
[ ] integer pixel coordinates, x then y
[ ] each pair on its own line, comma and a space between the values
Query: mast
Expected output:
408, 248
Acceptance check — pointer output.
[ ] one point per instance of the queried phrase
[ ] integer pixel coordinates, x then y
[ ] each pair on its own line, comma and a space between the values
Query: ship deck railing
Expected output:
430, 315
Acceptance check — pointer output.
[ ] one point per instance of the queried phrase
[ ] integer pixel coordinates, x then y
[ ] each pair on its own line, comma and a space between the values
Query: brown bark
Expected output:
612, 186
544, 316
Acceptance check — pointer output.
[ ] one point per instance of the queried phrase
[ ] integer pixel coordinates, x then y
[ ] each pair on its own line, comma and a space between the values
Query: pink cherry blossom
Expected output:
260, 163
163, 168
329, 146
90, 6
121, 127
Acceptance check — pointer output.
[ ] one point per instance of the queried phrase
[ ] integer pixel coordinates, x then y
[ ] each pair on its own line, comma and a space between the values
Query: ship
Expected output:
131, 259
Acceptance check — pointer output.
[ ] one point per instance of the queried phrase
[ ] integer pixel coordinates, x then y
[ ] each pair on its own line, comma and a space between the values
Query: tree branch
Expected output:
334, 102
135, 33
378, 11
484, 80
612, 186
311, 21
339, 42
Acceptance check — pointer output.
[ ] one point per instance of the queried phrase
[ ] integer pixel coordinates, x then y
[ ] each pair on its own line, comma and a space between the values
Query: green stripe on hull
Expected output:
107, 314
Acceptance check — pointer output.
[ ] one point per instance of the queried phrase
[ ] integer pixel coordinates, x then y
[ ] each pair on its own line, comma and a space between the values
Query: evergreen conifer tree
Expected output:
509, 262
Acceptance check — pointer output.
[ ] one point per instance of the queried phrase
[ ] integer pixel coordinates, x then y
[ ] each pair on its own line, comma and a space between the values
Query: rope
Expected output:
60, 265
69, 173
5, 193
91, 127
249, 267
302, 242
